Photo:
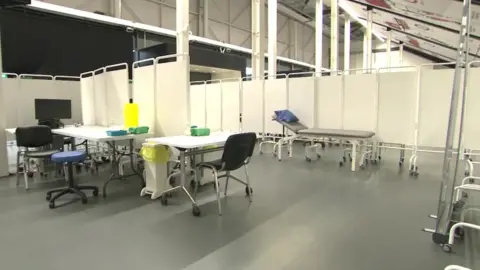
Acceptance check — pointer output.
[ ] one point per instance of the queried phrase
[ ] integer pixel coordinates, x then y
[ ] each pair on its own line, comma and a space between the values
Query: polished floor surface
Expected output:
303, 216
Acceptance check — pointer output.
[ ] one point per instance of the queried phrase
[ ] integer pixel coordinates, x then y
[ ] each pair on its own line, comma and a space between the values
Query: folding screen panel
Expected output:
172, 106
360, 93
213, 93
197, 105
10, 88
87, 94
70, 90
396, 107
329, 102
32, 87
117, 90
434, 109
143, 93
275, 99
231, 106
301, 99
252, 106
100, 99
471, 127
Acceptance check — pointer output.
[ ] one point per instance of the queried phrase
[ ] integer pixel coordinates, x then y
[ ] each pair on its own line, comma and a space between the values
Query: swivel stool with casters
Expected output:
67, 159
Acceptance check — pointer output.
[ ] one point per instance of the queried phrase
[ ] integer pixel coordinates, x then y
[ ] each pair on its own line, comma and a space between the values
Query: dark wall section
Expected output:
37, 43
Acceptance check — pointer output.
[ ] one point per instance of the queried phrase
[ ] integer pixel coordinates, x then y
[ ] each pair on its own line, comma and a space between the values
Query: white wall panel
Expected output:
213, 94
275, 99
329, 102
31, 89
396, 107
171, 106
231, 106
435, 96
70, 90
117, 88
197, 105
301, 99
360, 93
252, 106
144, 95
87, 95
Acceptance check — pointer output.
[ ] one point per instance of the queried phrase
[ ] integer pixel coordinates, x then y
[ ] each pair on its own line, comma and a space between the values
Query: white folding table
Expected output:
99, 134
191, 146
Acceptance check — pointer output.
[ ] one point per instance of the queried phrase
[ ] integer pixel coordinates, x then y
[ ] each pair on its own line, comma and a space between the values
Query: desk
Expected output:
191, 146
99, 134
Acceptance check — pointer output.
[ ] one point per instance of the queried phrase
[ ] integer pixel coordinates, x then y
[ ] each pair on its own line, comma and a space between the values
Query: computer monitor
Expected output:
49, 109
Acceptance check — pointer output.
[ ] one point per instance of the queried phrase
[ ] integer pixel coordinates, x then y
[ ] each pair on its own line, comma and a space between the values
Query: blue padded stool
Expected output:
67, 159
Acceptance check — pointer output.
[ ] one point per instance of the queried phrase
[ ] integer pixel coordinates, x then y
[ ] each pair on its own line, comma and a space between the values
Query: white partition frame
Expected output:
43, 89
10, 100
143, 91
470, 142
198, 104
213, 104
231, 104
100, 97
71, 91
329, 100
275, 97
252, 106
303, 104
87, 96
117, 92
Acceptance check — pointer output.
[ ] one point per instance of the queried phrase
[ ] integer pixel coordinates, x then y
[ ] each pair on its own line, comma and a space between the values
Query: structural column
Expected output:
369, 39
205, 18
318, 36
346, 44
182, 25
400, 54
272, 38
389, 48
258, 40
116, 8
334, 35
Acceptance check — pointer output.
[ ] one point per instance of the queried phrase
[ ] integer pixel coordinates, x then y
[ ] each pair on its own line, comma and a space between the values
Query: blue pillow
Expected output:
286, 116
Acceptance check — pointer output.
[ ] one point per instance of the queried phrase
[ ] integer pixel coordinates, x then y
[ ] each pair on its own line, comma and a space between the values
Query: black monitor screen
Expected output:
47, 109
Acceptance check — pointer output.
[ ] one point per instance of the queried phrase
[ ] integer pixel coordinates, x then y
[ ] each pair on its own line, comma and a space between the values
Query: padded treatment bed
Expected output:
300, 130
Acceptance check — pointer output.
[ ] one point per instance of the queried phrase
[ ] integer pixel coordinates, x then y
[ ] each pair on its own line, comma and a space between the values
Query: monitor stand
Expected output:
52, 123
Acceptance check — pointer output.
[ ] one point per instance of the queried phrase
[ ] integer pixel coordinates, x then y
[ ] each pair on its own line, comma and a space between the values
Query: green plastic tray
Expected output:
200, 131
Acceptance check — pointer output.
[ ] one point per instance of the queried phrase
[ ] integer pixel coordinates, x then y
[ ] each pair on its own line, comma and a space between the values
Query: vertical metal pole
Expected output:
318, 36
400, 54
364, 50
295, 40
182, 12
116, 8
369, 39
272, 38
291, 41
205, 18
346, 44
334, 35
258, 40
389, 48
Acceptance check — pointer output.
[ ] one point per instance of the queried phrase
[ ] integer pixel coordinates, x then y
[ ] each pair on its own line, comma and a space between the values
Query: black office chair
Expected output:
40, 138
237, 152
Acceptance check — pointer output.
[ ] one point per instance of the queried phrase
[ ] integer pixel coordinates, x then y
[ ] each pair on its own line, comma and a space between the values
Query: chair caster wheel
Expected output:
308, 159
51, 205
164, 200
84, 200
30, 174
48, 197
196, 211
447, 248
248, 191
341, 164
95, 193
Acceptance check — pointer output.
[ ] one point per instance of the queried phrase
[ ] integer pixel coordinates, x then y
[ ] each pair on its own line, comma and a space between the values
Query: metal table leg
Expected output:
354, 155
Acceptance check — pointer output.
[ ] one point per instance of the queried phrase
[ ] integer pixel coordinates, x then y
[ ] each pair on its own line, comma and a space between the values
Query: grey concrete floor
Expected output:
303, 216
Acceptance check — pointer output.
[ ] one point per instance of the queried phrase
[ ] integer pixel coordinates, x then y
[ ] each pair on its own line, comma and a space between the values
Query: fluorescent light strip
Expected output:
346, 7
144, 27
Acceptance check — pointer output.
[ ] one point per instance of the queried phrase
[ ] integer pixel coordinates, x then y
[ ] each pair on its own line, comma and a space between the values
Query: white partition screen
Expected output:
213, 93
143, 93
117, 93
275, 99
197, 105
31, 89
252, 106
301, 99
435, 96
360, 93
329, 105
70, 90
171, 98
471, 128
10, 101
87, 93
396, 107
100, 99
231, 106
